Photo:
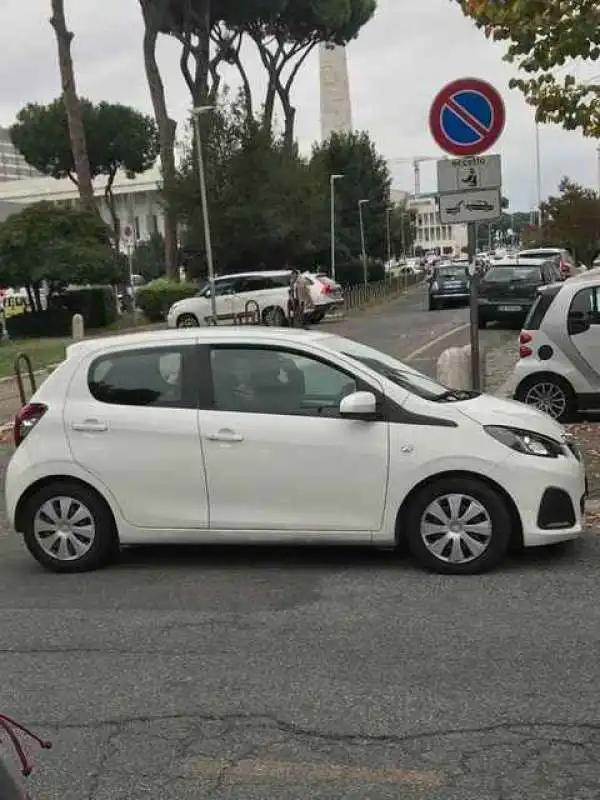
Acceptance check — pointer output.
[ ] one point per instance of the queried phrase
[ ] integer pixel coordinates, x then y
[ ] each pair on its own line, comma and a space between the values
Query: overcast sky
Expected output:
402, 58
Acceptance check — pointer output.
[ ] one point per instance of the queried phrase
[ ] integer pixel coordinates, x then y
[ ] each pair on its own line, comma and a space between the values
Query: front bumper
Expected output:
449, 295
549, 495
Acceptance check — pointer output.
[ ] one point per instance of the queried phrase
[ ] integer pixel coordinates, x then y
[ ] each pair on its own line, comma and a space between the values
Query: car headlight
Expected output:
527, 442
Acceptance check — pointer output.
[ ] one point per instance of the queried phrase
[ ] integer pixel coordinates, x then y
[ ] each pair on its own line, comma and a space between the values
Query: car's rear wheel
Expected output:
482, 322
274, 317
67, 527
548, 393
188, 321
458, 526
433, 305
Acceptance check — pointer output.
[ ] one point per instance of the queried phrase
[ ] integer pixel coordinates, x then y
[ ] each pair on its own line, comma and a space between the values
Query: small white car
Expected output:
563, 258
263, 435
559, 366
238, 294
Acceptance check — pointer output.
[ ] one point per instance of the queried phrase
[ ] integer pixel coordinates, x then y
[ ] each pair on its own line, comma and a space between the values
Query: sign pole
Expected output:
474, 313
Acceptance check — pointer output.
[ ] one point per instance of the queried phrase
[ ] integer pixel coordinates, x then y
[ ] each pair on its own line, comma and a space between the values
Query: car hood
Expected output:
489, 410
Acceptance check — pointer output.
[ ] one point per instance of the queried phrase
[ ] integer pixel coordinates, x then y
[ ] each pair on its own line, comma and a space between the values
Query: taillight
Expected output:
525, 338
326, 288
524, 351
27, 418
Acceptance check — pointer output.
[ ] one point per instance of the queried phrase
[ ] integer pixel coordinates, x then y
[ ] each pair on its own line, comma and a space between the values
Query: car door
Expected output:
585, 307
225, 298
278, 455
257, 289
132, 422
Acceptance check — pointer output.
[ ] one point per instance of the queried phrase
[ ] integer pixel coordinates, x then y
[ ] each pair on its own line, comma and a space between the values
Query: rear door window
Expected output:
539, 310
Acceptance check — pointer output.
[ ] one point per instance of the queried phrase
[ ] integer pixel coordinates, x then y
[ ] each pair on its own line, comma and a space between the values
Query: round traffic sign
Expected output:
467, 117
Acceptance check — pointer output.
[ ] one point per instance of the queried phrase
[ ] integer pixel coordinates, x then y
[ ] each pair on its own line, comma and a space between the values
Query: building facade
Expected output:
431, 236
13, 166
138, 200
336, 106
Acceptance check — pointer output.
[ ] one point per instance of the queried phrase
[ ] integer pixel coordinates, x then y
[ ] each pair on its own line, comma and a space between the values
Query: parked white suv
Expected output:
243, 292
248, 434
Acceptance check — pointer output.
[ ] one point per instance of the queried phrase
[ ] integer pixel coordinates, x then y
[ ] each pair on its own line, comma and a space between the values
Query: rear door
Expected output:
262, 290
585, 305
131, 421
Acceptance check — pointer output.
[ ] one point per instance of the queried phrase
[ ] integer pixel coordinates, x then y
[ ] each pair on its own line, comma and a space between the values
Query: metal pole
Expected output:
598, 154
388, 231
402, 235
417, 179
474, 313
538, 170
207, 239
332, 198
130, 261
362, 243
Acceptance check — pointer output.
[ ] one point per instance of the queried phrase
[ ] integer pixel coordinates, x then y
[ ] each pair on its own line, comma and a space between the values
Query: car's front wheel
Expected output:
458, 526
188, 321
67, 527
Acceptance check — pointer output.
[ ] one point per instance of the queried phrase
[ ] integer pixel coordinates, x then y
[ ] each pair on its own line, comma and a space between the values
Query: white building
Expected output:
13, 166
138, 201
430, 234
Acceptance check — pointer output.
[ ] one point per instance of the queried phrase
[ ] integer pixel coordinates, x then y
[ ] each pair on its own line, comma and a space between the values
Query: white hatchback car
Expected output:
242, 435
238, 294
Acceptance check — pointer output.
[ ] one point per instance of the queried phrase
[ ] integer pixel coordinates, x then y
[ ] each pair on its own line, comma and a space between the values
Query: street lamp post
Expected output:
388, 234
538, 173
363, 246
332, 180
196, 113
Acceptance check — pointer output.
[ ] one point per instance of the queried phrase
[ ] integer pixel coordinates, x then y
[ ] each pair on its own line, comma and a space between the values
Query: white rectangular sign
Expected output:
464, 174
474, 206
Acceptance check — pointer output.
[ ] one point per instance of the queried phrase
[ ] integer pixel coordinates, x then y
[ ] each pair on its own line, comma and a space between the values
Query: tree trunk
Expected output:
64, 37
152, 13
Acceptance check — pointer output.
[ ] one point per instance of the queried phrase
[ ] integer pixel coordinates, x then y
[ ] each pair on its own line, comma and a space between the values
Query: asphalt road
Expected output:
279, 673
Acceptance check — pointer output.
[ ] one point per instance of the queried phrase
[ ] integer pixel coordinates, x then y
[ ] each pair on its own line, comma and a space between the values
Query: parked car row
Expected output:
267, 291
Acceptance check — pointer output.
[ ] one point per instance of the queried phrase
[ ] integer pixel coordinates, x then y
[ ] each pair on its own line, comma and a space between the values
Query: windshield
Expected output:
397, 372
513, 274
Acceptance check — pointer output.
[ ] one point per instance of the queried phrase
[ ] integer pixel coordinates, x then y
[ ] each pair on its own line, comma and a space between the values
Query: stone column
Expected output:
336, 107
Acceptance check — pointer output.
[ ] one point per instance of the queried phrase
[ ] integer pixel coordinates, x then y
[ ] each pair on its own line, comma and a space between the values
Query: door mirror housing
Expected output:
578, 323
359, 405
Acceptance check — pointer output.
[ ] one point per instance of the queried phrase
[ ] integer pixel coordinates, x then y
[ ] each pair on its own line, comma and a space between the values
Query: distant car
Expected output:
563, 258
242, 292
508, 289
449, 283
252, 435
480, 205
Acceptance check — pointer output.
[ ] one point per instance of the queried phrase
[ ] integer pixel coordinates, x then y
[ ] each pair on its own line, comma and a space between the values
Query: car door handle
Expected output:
224, 435
90, 425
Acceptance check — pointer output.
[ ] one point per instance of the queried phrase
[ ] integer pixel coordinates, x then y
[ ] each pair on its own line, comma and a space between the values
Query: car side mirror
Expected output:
577, 322
359, 405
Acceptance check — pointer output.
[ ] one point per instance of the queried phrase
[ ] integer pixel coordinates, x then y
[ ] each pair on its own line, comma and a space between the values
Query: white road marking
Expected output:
412, 356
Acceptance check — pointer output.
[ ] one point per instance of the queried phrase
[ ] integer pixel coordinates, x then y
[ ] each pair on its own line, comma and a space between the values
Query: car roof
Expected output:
516, 261
551, 251
229, 333
254, 274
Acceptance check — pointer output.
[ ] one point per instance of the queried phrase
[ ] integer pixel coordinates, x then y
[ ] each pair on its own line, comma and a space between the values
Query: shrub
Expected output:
156, 298
97, 304
40, 324
351, 273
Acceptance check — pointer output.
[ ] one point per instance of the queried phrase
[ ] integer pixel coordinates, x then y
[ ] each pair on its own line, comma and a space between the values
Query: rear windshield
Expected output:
512, 274
452, 272
539, 253
538, 310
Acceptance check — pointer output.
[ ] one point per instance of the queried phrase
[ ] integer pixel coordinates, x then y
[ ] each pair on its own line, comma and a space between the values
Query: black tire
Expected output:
188, 321
274, 317
482, 322
498, 516
105, 544
562, 387
433, 306
316, 317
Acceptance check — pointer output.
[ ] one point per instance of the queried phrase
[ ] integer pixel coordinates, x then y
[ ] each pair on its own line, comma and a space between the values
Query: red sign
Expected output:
467, 117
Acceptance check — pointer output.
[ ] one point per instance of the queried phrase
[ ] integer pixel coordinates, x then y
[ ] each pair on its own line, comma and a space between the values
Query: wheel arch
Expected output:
547, 374
48, 480
516, 532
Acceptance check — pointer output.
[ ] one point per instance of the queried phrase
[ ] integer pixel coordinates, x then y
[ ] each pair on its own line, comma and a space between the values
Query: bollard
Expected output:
77, 327
454, 368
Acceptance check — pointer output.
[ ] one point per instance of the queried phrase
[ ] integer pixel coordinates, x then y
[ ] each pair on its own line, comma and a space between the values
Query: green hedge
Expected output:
97, 305
40, 324
156, 298
352, 273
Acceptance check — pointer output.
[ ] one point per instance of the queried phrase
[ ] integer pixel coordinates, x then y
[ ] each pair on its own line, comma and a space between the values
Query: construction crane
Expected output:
416, 161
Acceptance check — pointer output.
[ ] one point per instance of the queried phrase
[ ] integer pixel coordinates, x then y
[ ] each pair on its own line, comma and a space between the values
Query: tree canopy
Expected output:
541, 37
572, 220
45, 242
118, 138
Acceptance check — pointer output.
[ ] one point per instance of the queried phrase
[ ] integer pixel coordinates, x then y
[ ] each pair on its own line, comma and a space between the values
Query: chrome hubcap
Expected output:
547, 397
456, 528
64, 528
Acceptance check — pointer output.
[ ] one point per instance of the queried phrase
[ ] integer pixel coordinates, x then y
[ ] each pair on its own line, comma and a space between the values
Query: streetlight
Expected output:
363, 247
388, 232
332, 180
196, 112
